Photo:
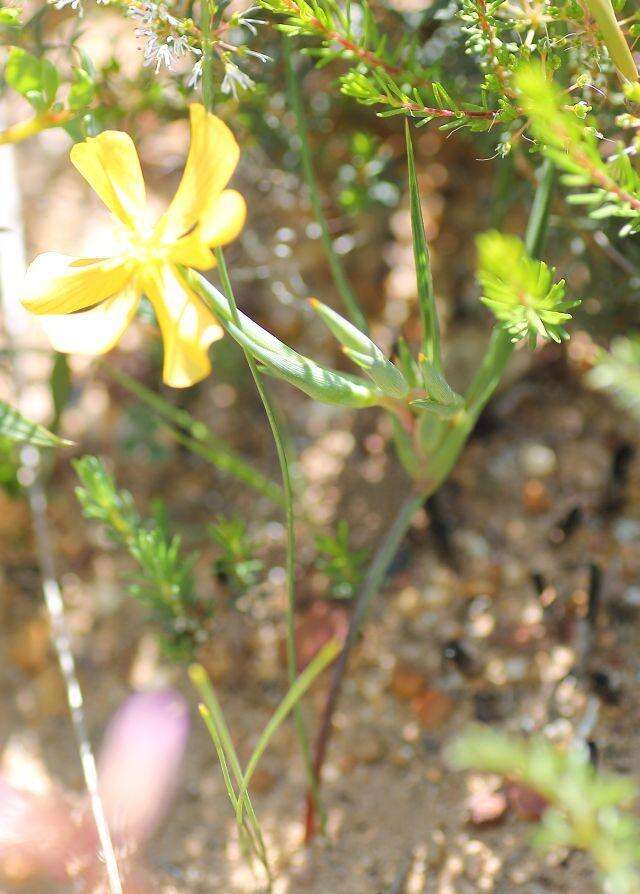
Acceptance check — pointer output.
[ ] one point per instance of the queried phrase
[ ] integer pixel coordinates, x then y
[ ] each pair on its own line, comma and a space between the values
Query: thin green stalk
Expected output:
313, 670
223, 743
207, 55
292, 661
424, 279
340, 280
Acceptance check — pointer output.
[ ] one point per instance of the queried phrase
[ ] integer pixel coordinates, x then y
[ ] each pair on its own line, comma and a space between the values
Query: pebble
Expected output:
535, 496
526, 803
29, 648
406, 682
538, 460
432, 708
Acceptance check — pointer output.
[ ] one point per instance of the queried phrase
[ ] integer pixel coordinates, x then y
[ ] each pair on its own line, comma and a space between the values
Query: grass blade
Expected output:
324, 657
426, 298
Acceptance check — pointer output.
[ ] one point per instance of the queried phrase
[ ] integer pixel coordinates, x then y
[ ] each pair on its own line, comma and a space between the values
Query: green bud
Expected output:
320, 383
364, 352
346, 333
385, 375
443, 411
436, 385
406, 363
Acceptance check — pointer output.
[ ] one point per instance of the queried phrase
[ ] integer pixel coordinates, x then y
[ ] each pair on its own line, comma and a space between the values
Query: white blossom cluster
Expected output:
164, 44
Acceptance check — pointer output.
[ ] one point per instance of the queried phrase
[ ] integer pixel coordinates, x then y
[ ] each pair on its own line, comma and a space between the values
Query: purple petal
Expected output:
140, 761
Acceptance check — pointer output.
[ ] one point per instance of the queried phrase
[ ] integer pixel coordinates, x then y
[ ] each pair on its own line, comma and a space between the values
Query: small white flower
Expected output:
235, 80
196, 74
76, 5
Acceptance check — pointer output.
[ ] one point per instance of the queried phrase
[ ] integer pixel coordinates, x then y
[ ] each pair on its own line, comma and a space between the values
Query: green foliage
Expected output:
82, 90
618, 372
36, 79
520, 290
364, 182
237, 566
17, 428
343, 565
379, 74
165, 583
10, 16
9, 468
570, 140
586, 807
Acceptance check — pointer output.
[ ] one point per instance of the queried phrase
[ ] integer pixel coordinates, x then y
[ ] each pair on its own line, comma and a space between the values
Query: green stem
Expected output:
613, 38
207, 55
337, 270
292, 662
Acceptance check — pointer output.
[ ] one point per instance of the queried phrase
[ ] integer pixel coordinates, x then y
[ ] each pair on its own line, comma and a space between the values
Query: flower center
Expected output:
143, 246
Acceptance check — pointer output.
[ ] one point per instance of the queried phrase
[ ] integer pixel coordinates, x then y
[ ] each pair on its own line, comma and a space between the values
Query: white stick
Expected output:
12, 268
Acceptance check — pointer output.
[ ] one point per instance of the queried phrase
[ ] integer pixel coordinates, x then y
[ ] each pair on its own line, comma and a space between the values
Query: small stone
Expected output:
488, 707
486, 807
366, 746
432, 708
526, 803
29, 648
538, 460
535, 497
322, 621
406, 682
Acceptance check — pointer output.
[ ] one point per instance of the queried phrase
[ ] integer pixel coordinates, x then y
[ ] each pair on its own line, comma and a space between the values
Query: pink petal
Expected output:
140, 761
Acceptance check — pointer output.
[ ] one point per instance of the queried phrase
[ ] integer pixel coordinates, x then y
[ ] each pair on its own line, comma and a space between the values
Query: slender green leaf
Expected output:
322, 660
426, 298
18, 428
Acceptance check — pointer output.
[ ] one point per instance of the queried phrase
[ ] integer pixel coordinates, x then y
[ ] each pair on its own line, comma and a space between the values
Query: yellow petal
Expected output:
188, 327
192, 252
93, 331
223, 219
57, 284
213, 155
110, 164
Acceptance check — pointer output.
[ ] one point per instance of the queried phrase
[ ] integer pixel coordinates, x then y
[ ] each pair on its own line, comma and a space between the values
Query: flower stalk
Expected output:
32, 126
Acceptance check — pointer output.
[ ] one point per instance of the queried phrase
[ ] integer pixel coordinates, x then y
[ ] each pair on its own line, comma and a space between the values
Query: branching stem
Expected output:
440, 464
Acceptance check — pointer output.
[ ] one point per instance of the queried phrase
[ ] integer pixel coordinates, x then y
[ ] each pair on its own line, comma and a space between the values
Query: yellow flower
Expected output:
88, 303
